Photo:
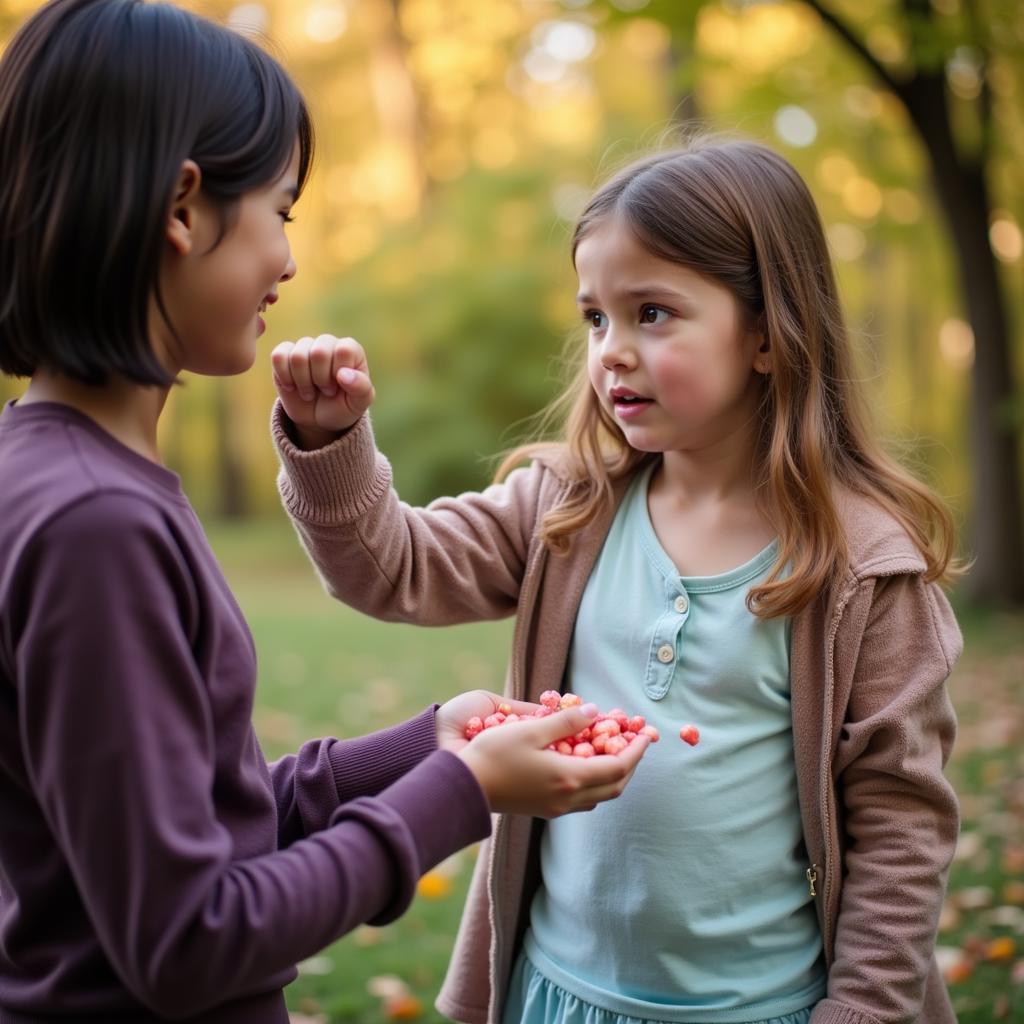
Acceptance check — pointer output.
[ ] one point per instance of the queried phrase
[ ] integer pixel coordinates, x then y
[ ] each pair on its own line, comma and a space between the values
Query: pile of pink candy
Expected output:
609, 733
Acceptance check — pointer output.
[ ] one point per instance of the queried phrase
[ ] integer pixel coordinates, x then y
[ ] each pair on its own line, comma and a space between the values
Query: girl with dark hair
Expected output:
718, 540
152, 865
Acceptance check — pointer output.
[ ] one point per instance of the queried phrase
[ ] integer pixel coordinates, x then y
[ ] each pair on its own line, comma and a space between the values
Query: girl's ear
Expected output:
181, 224
763, 356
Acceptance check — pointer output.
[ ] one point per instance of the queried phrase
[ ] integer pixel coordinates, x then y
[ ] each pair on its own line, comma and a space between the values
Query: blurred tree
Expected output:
942, 51
232, 495
935, 56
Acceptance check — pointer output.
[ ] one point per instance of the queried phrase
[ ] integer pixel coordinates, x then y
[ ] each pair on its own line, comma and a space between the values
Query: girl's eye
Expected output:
287, 218
653, 315
596, 319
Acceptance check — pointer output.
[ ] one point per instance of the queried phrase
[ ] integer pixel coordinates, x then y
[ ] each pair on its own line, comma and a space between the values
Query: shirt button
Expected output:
682, 604
665, 654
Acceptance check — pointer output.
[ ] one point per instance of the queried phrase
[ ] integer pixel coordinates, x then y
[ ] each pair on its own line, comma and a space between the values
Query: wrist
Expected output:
478, 768
309, 439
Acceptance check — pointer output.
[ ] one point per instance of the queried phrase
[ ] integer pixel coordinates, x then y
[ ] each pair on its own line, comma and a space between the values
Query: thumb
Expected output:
358, 389
556, 727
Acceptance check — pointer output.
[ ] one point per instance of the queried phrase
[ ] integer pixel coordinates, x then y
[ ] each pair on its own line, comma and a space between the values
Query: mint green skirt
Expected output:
534, 999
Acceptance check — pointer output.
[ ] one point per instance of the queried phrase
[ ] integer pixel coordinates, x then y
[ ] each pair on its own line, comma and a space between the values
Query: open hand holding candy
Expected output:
609, 733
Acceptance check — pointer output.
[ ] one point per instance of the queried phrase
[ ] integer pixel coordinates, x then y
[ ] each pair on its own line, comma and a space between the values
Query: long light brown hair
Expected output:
739, 213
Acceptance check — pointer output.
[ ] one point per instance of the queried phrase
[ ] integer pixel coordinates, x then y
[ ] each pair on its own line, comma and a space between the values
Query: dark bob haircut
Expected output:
101, 101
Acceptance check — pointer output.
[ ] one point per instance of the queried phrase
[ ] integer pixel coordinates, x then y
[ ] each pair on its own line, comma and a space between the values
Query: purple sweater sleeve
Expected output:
120, 745
309, 785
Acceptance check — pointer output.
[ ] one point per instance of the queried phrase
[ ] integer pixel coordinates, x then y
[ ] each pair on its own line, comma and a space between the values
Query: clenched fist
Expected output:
324, 385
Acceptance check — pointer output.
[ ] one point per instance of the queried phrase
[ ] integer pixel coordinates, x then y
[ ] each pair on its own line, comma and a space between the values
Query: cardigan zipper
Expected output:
826, 783
812, 879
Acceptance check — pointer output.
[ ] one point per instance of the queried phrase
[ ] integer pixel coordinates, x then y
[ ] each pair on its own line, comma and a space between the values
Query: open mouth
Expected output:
627, 403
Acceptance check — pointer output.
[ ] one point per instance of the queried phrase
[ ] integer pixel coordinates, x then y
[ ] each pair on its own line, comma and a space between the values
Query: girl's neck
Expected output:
127, 411
704, 508
720, 473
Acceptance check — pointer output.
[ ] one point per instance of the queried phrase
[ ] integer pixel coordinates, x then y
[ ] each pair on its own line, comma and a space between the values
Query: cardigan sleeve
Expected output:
458, 559
898, 813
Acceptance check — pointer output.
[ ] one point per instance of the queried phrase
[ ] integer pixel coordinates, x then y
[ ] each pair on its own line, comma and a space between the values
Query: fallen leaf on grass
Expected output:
386, 986
1006, 917
434, 886
397, 1002
405, 1007
949, 917
968, 845
365, 935
1013, 891
977, 897
1000, 950
1013, 858
955, 964
316, 965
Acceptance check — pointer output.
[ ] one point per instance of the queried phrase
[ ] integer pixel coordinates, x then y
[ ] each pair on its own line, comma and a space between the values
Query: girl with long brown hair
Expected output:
718, 539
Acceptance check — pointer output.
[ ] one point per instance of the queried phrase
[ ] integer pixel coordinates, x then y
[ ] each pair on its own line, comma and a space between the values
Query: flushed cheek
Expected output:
677, 382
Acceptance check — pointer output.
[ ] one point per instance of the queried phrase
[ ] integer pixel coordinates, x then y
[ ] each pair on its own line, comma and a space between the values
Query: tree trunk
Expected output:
997, 534
232, 500
997, 530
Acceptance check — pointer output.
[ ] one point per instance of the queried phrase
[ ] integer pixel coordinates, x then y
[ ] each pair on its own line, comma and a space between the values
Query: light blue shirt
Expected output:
689, 893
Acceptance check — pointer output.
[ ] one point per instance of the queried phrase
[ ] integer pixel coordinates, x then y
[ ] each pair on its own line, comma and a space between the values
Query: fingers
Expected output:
605, 776
557, 726
604, 770
358, 388
279, 361
312, 365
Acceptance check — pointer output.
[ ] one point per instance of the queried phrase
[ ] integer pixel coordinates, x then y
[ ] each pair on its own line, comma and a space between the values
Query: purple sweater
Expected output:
152, 865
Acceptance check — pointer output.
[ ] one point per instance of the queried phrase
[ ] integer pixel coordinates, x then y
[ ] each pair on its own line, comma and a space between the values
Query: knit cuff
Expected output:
829, 1011
332, 485
366, 765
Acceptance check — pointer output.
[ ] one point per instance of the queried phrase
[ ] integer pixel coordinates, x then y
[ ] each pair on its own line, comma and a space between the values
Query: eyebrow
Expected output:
644, 291
292, 191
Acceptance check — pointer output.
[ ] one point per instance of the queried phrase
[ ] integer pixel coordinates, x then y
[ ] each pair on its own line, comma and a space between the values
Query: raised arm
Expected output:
457, 560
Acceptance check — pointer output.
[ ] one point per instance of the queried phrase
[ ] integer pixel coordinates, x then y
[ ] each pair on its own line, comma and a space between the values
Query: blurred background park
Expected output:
458, 140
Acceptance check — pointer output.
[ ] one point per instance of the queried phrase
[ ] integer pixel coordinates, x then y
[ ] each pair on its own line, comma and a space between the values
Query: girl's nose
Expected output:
290, 270
616, 352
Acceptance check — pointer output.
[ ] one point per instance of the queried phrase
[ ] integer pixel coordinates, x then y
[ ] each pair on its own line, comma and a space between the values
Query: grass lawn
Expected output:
327, 670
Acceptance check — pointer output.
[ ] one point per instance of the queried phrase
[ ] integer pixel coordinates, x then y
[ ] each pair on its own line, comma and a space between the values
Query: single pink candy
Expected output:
615, 745
690, 734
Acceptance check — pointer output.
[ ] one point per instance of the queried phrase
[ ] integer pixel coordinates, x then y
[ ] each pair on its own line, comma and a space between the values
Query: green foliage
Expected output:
461, 347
